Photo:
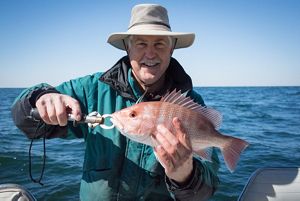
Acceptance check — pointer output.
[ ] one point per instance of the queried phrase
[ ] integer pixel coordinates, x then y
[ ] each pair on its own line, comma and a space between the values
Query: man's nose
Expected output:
150, 52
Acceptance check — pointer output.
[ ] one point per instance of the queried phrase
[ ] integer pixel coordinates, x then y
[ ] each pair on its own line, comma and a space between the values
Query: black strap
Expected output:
44, 157
175, 43
153, 22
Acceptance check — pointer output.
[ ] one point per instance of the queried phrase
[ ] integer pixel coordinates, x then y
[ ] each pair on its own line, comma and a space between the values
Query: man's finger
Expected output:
164, 158
181, 133
43, 114
74, 105
168, 141
61, 114
52, 114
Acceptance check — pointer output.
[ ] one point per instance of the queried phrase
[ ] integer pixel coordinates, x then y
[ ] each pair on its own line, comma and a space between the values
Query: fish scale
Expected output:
191, 124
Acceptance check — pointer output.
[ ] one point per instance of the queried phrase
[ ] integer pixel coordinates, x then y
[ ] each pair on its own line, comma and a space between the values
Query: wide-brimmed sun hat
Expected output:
150, 19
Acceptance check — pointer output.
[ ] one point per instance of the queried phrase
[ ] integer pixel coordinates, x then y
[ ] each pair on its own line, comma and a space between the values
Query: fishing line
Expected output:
142, 97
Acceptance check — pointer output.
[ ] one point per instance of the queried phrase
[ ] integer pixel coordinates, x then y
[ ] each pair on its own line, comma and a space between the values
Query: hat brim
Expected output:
183, 39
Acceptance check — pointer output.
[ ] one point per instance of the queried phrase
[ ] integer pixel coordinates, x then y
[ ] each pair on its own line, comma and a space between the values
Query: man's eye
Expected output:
141, 44
160, 45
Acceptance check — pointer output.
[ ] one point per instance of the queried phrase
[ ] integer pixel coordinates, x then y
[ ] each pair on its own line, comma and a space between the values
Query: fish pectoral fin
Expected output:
205, 153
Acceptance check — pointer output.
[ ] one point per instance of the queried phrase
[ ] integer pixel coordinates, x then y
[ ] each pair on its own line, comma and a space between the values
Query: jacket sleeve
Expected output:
35, 129
201, 185
21, 114
204, 180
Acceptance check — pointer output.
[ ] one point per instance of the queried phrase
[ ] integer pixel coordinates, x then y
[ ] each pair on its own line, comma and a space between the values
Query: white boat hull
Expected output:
273, 184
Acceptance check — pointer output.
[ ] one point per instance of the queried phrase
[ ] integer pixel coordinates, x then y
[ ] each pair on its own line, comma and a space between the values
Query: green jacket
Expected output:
116, 168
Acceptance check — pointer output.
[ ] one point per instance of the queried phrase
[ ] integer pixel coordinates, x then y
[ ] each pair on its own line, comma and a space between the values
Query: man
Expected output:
116, 168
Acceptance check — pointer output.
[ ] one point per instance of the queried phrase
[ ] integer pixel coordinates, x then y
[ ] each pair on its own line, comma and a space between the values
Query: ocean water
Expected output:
267, 117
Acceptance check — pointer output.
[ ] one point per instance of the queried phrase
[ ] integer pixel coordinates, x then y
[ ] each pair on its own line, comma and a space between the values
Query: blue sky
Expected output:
238, 42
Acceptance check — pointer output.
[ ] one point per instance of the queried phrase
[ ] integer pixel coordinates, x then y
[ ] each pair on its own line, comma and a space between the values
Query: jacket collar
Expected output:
117, 78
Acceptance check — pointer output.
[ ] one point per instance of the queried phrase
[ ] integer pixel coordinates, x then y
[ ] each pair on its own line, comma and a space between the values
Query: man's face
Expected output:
149, 57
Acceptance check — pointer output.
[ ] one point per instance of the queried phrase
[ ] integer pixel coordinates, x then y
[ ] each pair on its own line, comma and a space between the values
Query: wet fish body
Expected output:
139, 121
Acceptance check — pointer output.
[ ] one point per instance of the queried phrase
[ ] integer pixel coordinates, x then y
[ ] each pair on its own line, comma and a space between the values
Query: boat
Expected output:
14, 192
273, 184
265, 184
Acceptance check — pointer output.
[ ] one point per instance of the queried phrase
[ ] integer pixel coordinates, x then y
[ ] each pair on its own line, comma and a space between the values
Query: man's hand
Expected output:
53, 108
174, 151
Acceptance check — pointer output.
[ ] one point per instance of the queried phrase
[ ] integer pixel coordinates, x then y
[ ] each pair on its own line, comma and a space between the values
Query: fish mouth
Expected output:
116, 122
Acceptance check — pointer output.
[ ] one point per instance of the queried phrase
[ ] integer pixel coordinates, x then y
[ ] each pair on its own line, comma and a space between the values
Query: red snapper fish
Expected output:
139, 121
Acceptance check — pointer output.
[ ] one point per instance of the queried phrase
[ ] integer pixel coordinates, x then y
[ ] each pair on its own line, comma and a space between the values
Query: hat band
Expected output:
154, 23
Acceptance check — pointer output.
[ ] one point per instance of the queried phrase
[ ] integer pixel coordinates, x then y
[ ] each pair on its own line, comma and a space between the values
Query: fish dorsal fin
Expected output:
176, 97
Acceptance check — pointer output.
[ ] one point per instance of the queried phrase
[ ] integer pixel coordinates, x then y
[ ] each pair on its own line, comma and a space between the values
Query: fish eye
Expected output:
132, 114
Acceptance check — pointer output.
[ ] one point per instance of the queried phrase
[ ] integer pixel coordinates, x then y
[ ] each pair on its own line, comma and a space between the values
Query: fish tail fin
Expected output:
232, 150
